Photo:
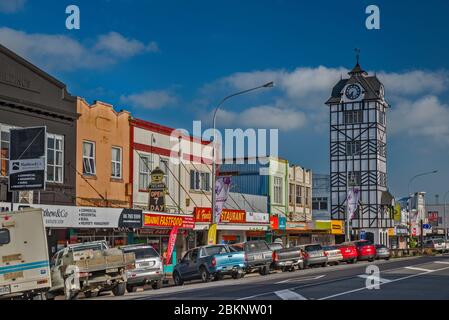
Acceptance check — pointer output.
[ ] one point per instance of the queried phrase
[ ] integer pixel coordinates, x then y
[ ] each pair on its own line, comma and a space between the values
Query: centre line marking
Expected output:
289, 295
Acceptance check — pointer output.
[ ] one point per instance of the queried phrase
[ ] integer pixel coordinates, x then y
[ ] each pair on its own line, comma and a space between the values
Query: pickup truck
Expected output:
89, 268
285, 259
258, 256
209, 262
24, 261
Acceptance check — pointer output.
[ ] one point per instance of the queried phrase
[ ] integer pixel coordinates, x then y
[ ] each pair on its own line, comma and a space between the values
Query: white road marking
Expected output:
381, 280
442, 262
395, 280
289, 295
418, 269
301, 279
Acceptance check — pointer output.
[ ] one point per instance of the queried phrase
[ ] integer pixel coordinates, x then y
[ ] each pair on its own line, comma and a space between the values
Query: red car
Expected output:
349, 252
365, 250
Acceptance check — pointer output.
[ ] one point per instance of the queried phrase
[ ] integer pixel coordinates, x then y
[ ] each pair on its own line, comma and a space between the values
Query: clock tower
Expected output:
358, 155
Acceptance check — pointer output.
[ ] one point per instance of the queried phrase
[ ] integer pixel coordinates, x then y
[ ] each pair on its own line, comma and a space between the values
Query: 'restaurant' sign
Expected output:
227, 215
168, 221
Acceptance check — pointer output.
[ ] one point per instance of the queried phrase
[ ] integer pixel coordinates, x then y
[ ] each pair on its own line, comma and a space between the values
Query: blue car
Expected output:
209, 262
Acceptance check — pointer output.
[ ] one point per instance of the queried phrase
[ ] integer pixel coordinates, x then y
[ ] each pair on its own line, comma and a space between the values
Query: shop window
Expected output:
89, 158
200, 181
277, 190
166, 169
145, 167
116, 163
55, 158
4, 237
4, 150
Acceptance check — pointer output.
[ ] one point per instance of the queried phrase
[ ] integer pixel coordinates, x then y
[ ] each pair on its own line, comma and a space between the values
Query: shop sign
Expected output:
154, 232
212, 235
282, 223
27, 159
171, 244
87, 217
323, 225
296, 226
227, 215
391, 232
257, 217
168, 221
157, 191
337, 227
274, 223
401, 231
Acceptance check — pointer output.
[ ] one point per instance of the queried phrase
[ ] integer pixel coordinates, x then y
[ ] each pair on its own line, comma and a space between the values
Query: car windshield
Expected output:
142, 253
438, 241
236, 248
380, 246
275, 246
256, 246
330, 248
95, 247
215, 250
363, 243
315, 247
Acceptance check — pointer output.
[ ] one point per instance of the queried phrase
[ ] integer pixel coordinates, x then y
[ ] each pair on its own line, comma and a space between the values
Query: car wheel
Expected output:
130, 288
119, 289
91, 294
205, 276
371, 260
324, 265
387, 258
264, 271
292, 269
177, 279
156, 285
284, 269
218, 277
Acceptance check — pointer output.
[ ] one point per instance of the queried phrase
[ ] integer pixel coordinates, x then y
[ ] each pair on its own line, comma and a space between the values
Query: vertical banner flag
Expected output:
171, 244
212, 235
222, 186
353, 202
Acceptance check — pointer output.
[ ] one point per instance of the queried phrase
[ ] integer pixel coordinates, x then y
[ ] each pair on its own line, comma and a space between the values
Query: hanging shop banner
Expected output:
86, 217
227, 215
168, 221
397, 212
353, 202
212, 235
222, 186
171, 244
157, 191
27, 159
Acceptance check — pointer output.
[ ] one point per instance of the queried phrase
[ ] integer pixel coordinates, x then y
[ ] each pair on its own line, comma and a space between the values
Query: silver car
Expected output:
313, 255
334, 255
382, 252
437, 245
149, 268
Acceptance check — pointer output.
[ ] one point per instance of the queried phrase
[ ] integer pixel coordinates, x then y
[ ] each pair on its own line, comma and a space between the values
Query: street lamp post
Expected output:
410, 200
267, 85
444, 217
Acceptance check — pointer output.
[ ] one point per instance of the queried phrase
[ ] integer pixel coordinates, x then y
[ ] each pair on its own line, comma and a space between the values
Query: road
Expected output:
406, 278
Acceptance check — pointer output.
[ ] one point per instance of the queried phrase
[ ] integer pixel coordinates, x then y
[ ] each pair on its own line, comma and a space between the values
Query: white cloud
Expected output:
263, 117
426, 117
60, 52
150, 99
11, 6
116, 44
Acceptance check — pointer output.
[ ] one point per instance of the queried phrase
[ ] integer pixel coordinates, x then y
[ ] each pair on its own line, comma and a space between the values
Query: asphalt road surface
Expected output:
406, 278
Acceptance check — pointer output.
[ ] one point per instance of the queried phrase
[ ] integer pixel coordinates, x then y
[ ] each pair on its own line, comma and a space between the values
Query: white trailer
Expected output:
24, 261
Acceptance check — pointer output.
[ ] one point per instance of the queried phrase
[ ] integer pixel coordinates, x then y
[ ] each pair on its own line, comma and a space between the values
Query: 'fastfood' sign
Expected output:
168, 221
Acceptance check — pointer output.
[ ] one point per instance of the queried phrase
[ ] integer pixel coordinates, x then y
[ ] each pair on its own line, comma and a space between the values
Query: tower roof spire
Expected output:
357, 69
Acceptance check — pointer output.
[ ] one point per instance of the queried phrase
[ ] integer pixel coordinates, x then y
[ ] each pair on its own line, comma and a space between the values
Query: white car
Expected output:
438, 245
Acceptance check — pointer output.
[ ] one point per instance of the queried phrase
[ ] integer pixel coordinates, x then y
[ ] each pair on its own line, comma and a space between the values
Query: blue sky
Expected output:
171, 61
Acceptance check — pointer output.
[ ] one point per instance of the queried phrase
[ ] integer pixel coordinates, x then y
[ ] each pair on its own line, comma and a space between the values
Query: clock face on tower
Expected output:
353, 91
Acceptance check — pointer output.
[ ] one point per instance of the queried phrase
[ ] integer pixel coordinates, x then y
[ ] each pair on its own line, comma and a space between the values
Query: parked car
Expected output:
349, 252
313, 255
209, 262
334, 255
382, 252
90, 268
437, 245
258, 256
365, 250
285, 259
149, 268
